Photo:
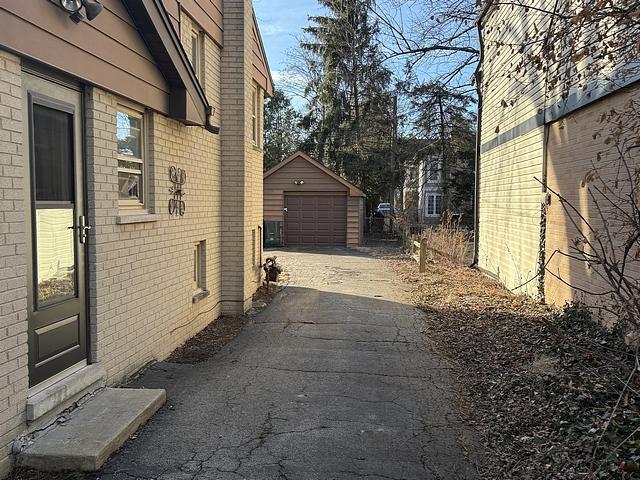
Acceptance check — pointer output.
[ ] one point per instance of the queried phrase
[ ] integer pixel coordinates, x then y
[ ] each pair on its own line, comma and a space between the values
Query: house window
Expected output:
196, 53
131, 157
433, 171
434, 205
259, 246
199, 266
255, 110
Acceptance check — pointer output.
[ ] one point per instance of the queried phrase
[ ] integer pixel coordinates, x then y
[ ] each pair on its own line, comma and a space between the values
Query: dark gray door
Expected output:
315, 220
56, 228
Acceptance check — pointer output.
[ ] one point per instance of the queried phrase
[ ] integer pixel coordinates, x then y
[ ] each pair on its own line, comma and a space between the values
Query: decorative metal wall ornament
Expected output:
178, 177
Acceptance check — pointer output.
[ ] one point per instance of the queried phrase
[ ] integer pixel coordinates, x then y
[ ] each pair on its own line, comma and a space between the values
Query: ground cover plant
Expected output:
551, 393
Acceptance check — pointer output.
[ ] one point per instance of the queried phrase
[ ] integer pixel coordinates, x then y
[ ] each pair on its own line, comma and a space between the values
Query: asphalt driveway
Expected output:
333, 381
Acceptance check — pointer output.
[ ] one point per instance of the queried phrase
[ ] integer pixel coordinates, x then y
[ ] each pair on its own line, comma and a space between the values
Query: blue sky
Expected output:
280, 22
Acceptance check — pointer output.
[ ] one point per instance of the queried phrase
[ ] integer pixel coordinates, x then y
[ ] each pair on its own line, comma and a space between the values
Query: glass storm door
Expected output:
56, 227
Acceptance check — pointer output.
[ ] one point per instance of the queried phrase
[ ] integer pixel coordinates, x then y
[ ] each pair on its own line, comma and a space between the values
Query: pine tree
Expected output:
350, 117
281, 129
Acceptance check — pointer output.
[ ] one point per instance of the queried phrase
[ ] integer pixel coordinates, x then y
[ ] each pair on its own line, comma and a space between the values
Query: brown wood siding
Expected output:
316, 182
571, 151
206, 13
173, 9
273, 205
261, 73
107, 52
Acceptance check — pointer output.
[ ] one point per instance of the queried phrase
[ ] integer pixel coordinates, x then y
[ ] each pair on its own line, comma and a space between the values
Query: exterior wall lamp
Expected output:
73, 7
298, 182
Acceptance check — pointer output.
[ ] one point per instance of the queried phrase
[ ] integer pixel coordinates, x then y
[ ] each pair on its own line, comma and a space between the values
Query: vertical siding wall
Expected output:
509, 204
572, 153
13, 267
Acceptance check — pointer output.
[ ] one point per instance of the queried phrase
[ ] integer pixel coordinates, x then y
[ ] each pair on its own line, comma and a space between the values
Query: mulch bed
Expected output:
220, 332
210, 340
539, 386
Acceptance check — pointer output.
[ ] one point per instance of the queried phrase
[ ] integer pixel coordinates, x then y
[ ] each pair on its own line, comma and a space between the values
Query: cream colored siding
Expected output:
509, 204
522, 95
509, 210
353, 221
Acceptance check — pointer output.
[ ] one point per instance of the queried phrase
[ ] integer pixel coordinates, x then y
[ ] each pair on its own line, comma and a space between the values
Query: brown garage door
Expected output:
315, 220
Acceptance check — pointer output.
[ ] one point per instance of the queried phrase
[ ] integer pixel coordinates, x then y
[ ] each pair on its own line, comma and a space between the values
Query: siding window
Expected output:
196, 53
199, 266
255, 109
434, 205
131, 157
433, 171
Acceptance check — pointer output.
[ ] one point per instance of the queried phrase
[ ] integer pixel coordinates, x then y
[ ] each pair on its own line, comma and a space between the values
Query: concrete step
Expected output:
87, 436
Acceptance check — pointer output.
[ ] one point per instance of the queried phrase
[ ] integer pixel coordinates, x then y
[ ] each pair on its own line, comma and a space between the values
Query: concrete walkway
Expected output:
333, 381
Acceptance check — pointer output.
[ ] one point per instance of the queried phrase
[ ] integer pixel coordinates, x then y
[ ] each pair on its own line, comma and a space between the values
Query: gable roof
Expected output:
353, 190
262, 72
188, 102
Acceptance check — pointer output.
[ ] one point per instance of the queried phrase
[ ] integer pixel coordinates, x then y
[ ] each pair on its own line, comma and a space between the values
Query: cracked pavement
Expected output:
334, 380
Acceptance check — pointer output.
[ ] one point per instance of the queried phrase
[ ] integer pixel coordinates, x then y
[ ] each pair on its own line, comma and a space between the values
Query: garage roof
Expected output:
353, 190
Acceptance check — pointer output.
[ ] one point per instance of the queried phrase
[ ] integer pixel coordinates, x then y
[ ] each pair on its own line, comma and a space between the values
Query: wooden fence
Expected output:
419, 253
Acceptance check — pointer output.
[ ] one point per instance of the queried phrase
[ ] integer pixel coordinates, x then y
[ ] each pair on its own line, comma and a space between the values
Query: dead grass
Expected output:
449, 241
538, 385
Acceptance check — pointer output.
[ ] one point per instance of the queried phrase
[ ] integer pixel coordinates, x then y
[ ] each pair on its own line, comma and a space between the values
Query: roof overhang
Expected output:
353, 190
187, 103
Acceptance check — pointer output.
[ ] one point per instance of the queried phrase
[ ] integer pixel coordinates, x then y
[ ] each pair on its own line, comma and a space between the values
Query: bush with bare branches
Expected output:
449, 241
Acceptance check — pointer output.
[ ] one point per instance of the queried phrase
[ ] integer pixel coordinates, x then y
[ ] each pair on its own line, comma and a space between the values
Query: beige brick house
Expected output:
535, 137
130, 189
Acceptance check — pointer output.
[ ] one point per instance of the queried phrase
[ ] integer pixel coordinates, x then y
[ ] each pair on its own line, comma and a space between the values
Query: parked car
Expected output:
384, 209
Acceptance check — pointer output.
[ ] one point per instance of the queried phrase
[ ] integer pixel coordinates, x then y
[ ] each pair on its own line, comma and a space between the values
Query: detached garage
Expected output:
308, 205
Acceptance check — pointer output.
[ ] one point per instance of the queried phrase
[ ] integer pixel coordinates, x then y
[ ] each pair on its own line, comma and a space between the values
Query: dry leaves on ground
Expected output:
538, 385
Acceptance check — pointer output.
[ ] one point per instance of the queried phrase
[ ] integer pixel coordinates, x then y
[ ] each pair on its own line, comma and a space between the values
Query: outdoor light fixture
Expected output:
71, 6
92, 9
299, 182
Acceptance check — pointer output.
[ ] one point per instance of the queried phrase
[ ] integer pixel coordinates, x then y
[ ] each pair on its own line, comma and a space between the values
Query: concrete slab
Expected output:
58, 395
92, 432
333, 381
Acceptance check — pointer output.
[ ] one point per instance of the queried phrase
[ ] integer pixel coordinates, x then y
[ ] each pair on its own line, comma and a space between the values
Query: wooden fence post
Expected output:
423, 255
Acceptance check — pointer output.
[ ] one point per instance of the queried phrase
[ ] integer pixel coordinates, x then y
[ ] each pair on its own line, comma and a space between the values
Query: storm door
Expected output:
57, 229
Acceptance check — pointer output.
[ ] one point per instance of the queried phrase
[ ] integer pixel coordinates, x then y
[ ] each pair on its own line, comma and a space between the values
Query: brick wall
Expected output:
13, 264
140, 282
141, 275
572, 152
242, 161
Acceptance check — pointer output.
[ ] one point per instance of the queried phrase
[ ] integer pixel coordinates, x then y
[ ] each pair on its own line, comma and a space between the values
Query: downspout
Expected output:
478, 82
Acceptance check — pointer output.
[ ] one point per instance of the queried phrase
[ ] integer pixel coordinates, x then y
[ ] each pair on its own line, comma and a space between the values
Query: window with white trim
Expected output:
434, 205
131, 157
196, 53
255, 115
